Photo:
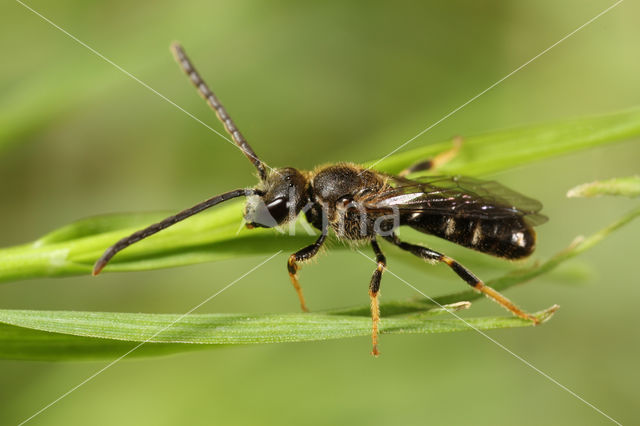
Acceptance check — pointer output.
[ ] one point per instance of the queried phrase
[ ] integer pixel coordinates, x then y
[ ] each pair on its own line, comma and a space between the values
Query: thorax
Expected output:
339, 193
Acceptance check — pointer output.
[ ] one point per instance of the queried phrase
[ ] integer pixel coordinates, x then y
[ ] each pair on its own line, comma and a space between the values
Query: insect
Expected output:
361, 205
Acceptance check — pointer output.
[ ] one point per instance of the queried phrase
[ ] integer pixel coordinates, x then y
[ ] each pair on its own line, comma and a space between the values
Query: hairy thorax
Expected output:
340, 193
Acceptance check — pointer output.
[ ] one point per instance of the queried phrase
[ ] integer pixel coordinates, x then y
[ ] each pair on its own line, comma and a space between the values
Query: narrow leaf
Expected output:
497, 151
60, 335
34, 345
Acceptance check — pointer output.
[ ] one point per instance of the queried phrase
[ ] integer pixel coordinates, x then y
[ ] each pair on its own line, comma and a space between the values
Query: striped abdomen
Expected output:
511, 238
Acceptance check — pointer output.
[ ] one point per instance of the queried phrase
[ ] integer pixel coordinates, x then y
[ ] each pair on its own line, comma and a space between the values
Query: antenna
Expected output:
172, 220
195, 78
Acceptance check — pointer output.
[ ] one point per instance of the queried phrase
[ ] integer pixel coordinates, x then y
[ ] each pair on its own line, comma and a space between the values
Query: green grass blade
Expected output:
61, 335
497, 151
34, 345
213, 235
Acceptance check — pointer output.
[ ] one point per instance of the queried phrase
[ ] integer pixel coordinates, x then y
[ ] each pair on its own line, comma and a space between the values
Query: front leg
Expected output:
300, 256
374, 289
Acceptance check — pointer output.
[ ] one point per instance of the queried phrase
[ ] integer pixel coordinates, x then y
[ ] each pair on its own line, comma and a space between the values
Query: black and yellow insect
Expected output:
362, 205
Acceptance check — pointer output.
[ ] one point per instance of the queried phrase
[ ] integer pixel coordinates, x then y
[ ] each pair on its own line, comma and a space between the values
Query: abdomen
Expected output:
511, 238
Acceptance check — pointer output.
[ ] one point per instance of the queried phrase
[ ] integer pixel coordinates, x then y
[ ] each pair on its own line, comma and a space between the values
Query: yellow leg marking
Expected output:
506, 303
493, 294
294, 280
375, 318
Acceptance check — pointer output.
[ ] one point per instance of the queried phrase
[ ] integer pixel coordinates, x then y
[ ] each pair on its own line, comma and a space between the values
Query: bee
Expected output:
360, 205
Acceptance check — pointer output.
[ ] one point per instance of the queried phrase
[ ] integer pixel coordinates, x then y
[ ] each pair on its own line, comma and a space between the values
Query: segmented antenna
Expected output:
172, 220
214, 103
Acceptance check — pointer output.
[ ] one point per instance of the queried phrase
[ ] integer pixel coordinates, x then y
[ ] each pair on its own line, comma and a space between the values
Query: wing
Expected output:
461, 196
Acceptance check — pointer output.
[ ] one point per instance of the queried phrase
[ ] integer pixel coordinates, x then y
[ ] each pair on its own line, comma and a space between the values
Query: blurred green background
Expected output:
307, 84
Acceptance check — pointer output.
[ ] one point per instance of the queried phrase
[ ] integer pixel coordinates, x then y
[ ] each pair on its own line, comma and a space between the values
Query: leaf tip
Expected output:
575, 192
544, 316
459, 306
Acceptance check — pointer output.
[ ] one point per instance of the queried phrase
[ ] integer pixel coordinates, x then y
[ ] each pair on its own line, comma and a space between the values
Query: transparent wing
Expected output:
458, 195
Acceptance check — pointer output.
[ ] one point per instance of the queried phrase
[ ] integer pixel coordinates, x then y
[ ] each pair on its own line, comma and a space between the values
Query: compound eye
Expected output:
278, 209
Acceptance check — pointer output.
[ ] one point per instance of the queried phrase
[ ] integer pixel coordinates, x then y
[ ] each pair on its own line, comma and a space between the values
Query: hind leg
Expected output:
465, 274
